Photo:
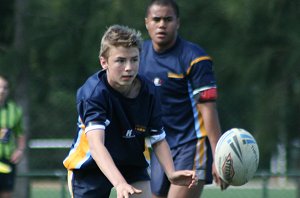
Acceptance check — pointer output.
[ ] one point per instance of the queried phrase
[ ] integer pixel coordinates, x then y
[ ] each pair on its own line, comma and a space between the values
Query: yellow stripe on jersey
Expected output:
173, 75
202, 58
200, 159
200, 152
202, 131
202, 127
147, 152
78, 153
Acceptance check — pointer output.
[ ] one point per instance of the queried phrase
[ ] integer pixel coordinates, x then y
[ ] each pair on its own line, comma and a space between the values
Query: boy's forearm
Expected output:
211, 123
108, 167
163, 154
104, 161
21, 143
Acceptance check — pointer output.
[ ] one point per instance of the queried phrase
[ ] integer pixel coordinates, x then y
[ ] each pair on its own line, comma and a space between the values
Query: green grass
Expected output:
242, 193
248, 193
209, 192
48, 193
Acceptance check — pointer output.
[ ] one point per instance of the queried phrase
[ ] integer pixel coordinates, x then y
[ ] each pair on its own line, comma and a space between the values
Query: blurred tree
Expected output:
21, 76
6, 24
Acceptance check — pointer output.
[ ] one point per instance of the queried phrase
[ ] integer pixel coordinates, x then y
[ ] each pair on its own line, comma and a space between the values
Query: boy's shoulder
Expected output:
93, 85
191, 47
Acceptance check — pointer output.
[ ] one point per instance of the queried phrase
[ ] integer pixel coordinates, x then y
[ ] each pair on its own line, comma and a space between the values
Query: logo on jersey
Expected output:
129, 134
157, 81
5, 135
140, 128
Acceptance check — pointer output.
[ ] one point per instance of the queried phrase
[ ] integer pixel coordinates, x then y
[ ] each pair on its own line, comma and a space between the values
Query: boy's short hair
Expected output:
171, 3
118, 35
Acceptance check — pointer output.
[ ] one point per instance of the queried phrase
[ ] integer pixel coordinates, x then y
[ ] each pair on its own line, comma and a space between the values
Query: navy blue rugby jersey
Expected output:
126, 122
179, 73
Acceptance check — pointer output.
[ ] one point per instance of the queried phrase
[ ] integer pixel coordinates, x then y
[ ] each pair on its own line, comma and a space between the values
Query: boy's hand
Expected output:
223, 185
184, 178
124, 190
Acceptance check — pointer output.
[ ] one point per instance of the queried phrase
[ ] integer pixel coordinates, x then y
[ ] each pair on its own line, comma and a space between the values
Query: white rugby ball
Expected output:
236, 156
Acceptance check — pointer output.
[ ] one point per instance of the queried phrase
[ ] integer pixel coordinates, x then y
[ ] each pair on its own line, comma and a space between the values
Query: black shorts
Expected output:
94, 184
7, 180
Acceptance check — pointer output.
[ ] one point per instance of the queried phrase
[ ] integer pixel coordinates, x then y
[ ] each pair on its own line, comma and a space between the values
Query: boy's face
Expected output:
162, 25
3, 90
122, 66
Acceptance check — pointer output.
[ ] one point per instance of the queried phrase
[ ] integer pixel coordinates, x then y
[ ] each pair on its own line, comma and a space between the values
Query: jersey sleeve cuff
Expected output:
156, 138
94, 127
196, 91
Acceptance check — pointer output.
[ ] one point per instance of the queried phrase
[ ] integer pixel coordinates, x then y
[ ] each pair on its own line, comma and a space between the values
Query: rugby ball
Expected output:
236, 156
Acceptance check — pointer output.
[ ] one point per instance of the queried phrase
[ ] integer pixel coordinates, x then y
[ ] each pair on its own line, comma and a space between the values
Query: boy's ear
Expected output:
103, 62
178, 23
146, 23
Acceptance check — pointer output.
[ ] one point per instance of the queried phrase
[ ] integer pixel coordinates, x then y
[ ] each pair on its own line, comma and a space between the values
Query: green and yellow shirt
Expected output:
10, 128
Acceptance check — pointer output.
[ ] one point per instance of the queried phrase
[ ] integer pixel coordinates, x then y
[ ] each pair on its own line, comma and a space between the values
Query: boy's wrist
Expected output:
20, 149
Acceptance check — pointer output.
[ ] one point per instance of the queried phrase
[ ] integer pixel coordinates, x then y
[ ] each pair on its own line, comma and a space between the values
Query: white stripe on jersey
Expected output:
93, 127
195, 111
196, 91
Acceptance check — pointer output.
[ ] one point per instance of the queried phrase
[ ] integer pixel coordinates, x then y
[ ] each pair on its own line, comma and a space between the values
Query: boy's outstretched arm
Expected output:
106, 164
181, 177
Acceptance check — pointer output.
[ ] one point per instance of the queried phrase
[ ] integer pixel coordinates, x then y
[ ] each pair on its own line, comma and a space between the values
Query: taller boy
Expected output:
183, 73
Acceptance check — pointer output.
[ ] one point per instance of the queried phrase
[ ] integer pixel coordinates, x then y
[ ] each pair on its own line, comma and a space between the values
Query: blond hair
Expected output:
118, 35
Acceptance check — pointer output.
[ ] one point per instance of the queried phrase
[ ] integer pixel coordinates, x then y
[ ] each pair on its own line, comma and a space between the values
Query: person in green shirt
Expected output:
12, 140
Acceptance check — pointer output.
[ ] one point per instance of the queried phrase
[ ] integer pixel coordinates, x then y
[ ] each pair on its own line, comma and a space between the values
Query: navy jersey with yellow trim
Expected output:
126, 122
179, 73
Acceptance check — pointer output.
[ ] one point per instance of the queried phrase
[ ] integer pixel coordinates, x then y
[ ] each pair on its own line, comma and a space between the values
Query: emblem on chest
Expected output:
157, 81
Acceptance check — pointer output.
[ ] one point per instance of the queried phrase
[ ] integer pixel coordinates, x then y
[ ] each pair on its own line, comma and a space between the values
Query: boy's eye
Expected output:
168, 19
135, 59
156, 19
165, 19
120, 60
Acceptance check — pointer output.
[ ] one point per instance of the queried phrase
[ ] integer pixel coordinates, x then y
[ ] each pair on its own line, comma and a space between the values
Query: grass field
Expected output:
208, 193
276, 189
243, 193
249, 193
